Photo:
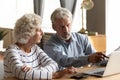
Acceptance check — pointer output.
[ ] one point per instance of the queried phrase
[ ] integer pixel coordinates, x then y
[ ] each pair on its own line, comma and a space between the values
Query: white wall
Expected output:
112, 24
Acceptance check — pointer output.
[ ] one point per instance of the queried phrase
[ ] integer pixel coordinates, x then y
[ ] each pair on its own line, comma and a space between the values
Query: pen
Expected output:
106, 56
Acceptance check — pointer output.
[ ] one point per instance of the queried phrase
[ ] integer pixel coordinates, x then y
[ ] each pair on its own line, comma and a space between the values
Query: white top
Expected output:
42, 65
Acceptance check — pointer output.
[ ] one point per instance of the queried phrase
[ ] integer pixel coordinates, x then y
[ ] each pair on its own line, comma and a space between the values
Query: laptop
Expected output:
112, 67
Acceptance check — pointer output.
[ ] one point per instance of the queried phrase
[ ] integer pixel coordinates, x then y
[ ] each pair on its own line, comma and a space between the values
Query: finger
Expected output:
72, 70
101, 54
25, 68
28, 68
101, 58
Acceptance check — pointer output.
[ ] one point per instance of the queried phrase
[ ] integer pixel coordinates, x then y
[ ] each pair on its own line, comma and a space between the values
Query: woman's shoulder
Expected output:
12, 47
12, 50
37, 49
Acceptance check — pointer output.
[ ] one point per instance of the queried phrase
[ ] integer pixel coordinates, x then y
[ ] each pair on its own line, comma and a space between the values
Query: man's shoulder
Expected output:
78, 35
53, 39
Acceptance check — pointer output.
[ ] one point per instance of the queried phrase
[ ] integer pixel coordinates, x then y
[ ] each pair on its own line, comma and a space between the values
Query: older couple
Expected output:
26, 60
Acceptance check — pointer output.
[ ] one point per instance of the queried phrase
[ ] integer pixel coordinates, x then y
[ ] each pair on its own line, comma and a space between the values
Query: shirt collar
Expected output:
72, 38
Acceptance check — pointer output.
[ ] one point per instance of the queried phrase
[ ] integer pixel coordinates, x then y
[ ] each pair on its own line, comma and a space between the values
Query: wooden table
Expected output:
113, 77
67, 77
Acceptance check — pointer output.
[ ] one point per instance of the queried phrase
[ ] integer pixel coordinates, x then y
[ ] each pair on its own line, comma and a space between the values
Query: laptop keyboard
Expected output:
101, 72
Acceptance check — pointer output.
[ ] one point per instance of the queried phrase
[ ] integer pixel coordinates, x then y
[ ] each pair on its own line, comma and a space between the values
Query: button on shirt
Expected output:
75, 53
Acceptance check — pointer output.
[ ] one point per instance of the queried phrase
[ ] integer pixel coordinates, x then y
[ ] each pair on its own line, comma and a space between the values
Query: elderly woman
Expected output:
26, 60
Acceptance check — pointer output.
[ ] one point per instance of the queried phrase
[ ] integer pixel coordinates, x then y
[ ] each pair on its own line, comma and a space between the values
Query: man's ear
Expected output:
53, 26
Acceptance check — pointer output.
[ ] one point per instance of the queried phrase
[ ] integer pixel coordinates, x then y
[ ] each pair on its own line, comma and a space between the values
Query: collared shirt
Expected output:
75, 53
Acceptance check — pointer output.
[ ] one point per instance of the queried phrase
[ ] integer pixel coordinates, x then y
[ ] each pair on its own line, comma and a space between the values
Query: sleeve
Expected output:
13, 65
88, 47
57, 54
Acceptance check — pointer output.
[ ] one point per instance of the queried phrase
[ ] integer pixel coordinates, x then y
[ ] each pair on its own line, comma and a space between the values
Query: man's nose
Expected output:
65, 28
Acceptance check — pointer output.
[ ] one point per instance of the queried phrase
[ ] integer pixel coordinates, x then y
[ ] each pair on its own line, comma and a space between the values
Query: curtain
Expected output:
75, 7
69, 4
45, 7
39, 7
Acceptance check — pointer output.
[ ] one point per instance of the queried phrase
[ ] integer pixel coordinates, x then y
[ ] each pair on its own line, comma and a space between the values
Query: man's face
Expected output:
63, 28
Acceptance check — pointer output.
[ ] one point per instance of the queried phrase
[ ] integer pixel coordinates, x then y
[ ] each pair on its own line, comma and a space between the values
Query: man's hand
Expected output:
97, 57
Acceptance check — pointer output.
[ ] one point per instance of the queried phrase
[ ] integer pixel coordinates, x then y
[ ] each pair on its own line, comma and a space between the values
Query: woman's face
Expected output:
38, 36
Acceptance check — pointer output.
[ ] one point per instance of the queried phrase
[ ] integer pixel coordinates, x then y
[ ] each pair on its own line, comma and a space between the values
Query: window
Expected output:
112, 24
10, 10
50, 6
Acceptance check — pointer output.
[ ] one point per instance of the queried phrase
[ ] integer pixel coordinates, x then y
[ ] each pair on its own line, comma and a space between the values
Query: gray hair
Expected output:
26, 26
61, 13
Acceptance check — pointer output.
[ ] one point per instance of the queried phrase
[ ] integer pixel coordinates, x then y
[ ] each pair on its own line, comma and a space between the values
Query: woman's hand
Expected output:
25, 68
69, 70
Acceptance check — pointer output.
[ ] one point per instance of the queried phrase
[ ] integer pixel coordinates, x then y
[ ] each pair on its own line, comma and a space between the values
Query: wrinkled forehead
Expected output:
63, 20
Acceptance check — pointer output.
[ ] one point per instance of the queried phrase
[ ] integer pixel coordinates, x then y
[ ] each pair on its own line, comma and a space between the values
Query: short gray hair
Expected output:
61, 13
25, 27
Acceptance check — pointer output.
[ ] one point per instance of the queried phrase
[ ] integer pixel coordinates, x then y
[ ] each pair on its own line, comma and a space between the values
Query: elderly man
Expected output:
68, 48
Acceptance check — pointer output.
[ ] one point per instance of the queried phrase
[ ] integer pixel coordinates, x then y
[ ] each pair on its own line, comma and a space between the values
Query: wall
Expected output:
96, 17
112, 24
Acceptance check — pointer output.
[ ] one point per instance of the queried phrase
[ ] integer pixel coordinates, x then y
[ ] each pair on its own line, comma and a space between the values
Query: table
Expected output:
67, 77
113, 77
